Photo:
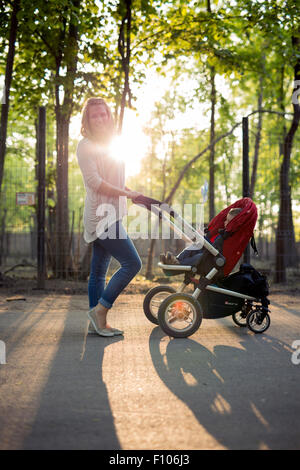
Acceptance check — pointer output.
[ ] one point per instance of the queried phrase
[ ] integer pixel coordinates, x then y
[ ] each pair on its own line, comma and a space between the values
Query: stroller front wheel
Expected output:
153, 300
180, 315
258, 322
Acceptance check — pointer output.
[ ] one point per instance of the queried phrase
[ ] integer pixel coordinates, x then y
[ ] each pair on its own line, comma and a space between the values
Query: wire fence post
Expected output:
246, 185
41, 172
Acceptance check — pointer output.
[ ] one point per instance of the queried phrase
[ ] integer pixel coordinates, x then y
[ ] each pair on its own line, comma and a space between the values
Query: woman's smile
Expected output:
98, 118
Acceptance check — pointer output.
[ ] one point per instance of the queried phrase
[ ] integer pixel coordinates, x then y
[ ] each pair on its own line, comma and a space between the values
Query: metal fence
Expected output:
19, 247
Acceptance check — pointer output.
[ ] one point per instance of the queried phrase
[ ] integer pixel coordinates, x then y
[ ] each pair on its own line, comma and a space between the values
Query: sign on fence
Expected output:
25, 199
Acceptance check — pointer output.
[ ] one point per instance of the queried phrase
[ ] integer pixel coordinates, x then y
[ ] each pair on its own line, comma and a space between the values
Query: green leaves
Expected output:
180, 36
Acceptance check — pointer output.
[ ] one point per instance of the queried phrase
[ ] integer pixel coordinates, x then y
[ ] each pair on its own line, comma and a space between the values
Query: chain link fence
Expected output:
18, 237
19, 230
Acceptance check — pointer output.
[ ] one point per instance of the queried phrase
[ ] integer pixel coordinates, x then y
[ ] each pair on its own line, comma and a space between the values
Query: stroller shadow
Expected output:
228, 389
74, 411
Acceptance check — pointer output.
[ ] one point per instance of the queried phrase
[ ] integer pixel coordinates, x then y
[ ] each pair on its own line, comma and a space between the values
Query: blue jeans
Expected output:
118, 245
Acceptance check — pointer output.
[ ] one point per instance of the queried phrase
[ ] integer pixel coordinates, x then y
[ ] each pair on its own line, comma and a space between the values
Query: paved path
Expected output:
222, 388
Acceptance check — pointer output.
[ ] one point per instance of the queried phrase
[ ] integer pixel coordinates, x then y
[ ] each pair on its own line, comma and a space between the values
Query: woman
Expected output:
105, 206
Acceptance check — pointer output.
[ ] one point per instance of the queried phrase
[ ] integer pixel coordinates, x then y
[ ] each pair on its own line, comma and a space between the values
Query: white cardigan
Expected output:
100, 210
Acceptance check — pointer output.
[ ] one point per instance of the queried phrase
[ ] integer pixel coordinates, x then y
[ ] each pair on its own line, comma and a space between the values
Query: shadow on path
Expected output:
74, 411
246, 398
294, 311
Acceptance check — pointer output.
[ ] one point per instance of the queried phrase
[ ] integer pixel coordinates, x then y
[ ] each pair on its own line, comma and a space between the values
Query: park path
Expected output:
222, 388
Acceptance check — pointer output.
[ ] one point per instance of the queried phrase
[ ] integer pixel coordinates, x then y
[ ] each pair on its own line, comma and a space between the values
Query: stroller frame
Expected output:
253, 316
198, 238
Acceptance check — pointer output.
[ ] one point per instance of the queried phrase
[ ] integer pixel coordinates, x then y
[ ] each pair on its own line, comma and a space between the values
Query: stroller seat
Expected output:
175, 269
230, 242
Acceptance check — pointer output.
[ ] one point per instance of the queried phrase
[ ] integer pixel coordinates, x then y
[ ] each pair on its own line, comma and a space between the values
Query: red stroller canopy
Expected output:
240, 227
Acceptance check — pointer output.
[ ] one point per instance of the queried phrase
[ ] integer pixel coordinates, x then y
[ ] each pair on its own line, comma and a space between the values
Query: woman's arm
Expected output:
110, 190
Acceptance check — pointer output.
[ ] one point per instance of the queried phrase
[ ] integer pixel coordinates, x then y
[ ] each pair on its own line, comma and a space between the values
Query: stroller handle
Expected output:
158, 207
192, 236
148, 202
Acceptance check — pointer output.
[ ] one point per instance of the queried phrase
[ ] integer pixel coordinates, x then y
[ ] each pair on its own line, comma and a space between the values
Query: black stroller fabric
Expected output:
247, 281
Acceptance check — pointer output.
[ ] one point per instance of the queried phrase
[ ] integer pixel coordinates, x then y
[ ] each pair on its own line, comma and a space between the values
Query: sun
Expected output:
132, 145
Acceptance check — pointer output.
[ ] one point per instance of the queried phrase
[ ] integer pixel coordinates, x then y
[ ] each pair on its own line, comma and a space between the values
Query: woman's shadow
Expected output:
74, 410
229, 389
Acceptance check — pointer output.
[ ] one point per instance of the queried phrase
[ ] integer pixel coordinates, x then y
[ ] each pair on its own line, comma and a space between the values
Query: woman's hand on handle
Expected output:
133, 194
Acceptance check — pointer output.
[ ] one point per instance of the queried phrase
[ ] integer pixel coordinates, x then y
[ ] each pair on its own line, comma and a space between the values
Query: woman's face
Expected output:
98, 119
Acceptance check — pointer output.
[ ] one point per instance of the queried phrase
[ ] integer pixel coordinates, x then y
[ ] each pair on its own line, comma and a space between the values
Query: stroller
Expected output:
217, 293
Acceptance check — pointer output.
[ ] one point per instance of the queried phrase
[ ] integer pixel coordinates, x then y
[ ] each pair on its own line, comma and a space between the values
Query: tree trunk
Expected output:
292, 258
285, 220
226, 183
7, 84
62, 207
267, 249
124, 50
2, 235
212, 149
50, 198
63, 116
260, 244
258, 131
257, 144
211, 190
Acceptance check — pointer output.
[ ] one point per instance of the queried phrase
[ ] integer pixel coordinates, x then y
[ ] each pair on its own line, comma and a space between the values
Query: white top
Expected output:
100, 210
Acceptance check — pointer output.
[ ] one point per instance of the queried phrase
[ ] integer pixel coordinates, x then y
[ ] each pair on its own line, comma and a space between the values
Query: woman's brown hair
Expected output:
85, 126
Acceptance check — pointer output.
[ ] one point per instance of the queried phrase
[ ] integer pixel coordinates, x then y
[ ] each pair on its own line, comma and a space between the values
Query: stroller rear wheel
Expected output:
180, 315
153, 300
257, 321
240, 318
